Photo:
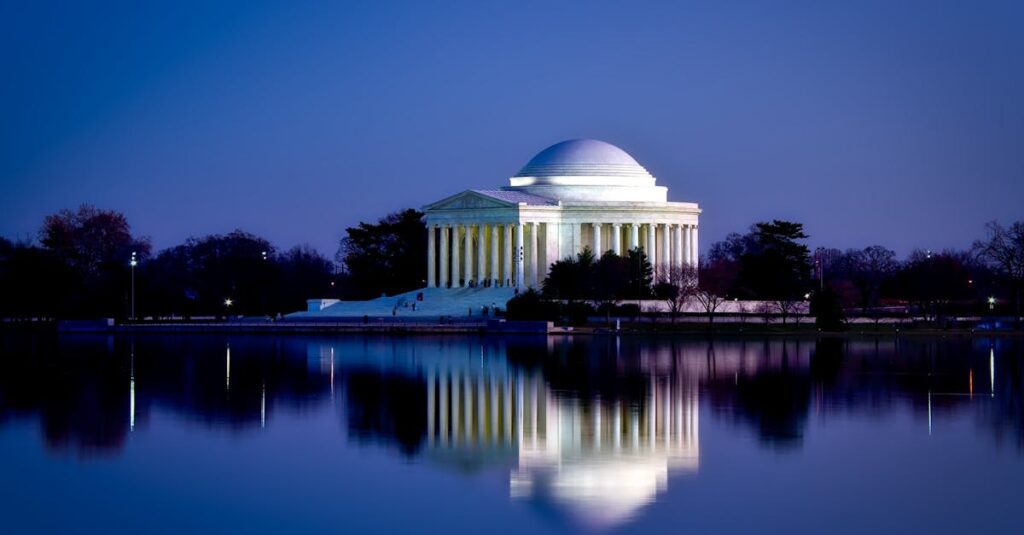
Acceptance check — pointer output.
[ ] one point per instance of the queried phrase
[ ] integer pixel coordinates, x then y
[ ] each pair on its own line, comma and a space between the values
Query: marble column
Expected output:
677, 247
694, 251
518, 252
634, 236
649, 249
664, 255
456, 257
481, 257
431, 257
468, 259
617, 239
596, 247
506, 272
445, 258
494, 255
534, 238
686, 244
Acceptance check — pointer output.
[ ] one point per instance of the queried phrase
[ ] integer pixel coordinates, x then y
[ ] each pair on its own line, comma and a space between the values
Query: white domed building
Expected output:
573, 195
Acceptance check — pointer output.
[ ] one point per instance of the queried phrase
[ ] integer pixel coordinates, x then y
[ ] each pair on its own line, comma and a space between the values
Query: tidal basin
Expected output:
362, 434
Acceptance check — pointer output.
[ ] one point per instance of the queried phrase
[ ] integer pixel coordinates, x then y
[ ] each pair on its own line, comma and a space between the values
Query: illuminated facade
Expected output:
573, 195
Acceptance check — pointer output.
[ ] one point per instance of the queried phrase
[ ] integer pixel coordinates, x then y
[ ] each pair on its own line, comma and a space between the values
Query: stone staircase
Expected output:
437, 302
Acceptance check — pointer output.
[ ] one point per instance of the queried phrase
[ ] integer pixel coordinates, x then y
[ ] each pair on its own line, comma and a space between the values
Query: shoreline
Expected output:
496, 328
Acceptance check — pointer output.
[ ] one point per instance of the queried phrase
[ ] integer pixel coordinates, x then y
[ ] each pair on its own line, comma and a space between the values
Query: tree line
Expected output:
87, 263
772, 264
80, 265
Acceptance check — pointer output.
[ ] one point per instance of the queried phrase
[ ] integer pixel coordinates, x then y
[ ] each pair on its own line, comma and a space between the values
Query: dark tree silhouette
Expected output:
931, 281
769, 261
1003, 250
34, 283
387, 257
571, 279
197, 277
97, 245
777, 266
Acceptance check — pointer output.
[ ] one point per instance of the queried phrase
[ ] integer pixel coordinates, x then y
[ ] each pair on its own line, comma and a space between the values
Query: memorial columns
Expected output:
617, 239
518, 252
468, 276
507, 268
494, 275
456, 258
431, 258
534, 235
677, 247
481, 256
445, 259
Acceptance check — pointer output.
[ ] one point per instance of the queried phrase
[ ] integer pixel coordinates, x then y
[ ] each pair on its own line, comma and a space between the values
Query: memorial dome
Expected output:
580, 158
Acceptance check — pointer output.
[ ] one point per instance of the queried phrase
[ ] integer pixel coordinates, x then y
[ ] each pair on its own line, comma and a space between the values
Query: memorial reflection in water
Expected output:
601, 457
592, 429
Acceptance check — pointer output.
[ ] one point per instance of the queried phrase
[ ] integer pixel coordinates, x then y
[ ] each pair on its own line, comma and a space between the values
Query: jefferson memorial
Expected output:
573, 195
486, 244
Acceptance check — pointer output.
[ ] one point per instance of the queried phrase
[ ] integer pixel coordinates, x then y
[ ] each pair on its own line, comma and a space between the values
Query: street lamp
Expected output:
133, 262
228, 302
991, 302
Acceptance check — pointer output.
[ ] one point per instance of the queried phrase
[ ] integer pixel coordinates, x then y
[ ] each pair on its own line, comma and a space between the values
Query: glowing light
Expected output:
131, 391
131, 405
929, 413
992, 371
228, 302
227, 370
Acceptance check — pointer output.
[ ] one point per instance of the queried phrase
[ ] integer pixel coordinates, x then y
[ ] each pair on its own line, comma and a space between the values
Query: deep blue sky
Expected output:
898, 123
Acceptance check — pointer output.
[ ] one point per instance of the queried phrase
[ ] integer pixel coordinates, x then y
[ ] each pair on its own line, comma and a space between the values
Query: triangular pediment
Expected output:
468, 200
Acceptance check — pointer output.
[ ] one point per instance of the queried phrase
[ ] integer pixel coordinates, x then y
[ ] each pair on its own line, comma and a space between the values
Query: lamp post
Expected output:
991, 302
134, 262
819, 266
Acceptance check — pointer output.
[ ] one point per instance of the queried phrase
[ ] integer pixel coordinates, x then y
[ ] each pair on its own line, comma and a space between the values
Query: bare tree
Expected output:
785, 308
1003, 249
713, 286
710, 302
678, 285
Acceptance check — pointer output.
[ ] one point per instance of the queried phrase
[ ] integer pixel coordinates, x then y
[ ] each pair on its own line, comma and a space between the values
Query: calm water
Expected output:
518, 435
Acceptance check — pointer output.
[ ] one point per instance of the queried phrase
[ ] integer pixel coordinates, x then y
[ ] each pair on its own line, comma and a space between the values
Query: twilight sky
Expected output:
899, 123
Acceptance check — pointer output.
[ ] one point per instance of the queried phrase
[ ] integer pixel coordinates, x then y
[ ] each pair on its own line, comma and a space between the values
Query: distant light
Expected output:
807, 296
264, 255
133, 263
228, 302
991, 300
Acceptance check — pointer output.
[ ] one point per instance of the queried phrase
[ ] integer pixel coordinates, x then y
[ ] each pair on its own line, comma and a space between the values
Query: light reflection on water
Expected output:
592, 432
